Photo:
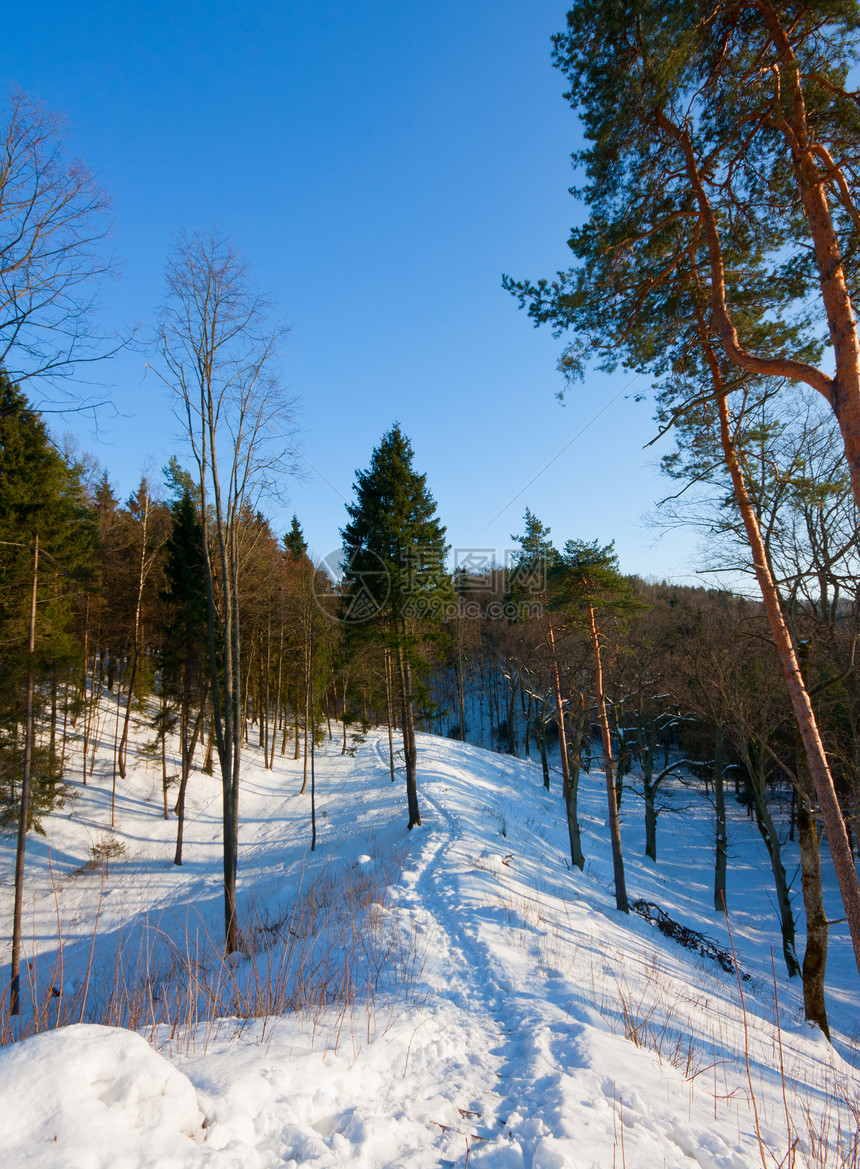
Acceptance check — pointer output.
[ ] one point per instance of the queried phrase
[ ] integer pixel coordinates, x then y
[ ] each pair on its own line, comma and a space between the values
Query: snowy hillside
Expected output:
454, 996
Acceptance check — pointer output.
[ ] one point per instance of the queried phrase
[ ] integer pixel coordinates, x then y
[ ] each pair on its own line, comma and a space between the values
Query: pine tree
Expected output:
537, 564
722, 233
294, 541
42, 511
595, 591
40, 495
394, 574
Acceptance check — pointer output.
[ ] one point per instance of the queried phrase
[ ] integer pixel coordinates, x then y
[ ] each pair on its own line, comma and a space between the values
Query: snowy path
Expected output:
540, 1097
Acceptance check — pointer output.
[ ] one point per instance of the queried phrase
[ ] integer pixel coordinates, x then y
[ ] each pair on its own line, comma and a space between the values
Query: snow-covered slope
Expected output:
451, 996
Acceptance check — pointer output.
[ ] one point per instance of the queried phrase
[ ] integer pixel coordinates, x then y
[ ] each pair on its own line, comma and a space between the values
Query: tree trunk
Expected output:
24, 812
304, 786
721, 845
614, 825
512, 711
819, 769
52, 734
135, 643
769, 835
122, 747
226, 710
65, 733
815, 955
297, 750
90, 701
207, 767
559, 710
114, 770
650, 820
650, 784
313, 711
187, 746
389, 701
410, 751
576, 854
164, 771
540, 734
271, 760
574, 838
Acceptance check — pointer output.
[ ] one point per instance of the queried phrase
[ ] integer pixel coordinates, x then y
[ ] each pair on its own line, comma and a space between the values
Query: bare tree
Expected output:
219, 348
53, 226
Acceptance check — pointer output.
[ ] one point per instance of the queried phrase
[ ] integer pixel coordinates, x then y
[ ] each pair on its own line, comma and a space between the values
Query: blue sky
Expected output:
381, 164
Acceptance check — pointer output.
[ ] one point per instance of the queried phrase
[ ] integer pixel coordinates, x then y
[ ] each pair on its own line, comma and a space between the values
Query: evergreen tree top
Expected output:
661, 88
184, 561
106, 500
532, 564
394, 510
587, 574
39, 491
535, 543
179, 481
295, 544
40, 494
394, 543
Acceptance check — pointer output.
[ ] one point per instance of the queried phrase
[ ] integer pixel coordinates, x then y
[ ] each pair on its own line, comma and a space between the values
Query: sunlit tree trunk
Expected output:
721, 843
135, 639
217, 347
24, 799
410, 751
606, 740
569, 793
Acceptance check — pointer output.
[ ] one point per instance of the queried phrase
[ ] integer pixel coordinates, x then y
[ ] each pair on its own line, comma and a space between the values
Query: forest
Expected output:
109, 623
718, 257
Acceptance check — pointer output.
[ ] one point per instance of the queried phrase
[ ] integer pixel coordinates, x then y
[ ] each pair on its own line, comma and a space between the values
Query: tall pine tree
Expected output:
594, 593
536, 568
394, 574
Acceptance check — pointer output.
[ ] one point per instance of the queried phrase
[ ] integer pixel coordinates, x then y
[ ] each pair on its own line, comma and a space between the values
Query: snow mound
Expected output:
88, 1097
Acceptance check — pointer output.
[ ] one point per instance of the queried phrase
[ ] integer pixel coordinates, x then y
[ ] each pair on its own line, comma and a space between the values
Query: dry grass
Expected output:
334, 945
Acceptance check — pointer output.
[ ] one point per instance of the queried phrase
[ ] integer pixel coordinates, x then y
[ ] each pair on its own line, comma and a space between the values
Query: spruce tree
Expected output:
295, 544
40, 495
394, 575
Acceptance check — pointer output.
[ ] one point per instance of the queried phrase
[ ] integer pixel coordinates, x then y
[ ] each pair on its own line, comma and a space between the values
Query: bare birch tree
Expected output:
219, 349
53, 227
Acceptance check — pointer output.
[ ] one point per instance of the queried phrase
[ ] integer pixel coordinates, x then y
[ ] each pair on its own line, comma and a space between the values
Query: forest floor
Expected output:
451, 996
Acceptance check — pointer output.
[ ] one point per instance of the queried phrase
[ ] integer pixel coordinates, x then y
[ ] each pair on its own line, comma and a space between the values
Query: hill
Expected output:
453, 996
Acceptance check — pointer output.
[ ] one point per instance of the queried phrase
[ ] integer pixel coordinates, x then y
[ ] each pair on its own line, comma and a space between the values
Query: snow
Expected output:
90, 1097
452, 996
